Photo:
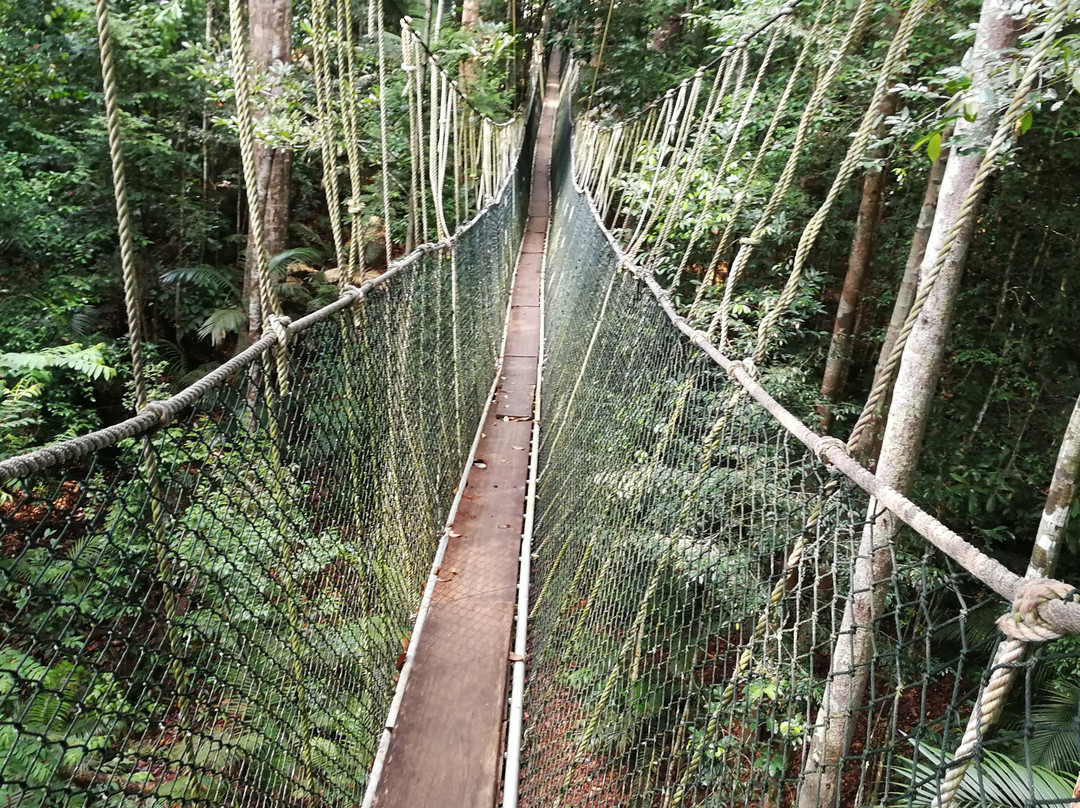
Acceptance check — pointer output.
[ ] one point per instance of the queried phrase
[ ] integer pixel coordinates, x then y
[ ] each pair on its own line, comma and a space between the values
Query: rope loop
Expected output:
749, 241
824, 444
1024, 621
279, 324
746, 365
161, 411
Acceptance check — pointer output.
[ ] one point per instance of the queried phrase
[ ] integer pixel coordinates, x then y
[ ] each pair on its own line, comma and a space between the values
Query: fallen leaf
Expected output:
519, 448
453, 535
504, 526
480, 464
516, 657
405, 644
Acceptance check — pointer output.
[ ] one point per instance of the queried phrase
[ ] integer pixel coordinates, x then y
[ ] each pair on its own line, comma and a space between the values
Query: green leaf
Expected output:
1025, 122
1075, 77
933, 147
220, 323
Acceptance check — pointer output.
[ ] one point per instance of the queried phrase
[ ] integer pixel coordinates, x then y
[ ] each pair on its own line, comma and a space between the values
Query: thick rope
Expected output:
1060, 615
673, 212
270, 305
384, 137
787, 176
723, 311
132, 298
328, 131
894, 59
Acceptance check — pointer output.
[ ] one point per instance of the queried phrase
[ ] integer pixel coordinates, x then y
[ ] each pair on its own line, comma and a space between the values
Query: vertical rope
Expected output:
383, 132
328, 132
132, 298
893, 61
271, 308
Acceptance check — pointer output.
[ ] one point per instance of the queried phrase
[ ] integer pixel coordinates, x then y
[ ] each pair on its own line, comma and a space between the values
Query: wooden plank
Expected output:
523, 333
527, 285
517, 387
533, 244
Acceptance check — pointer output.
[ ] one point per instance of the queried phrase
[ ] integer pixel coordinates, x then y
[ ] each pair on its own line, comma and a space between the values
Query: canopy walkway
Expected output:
506, 525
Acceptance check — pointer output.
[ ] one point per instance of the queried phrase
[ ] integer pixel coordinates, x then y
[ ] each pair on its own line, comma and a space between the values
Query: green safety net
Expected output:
226, 630
680, 642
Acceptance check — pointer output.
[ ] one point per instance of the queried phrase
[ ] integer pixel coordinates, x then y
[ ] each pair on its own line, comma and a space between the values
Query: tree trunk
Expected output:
271, 42
838, 364
470, 18
870, 444
915, 389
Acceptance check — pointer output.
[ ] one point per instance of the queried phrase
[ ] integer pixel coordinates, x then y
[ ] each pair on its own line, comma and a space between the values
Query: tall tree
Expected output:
913, 395
838, 363
270, 24
870, 441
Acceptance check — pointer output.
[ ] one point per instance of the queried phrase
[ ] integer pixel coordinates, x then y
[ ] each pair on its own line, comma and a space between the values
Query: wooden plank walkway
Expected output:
446, 748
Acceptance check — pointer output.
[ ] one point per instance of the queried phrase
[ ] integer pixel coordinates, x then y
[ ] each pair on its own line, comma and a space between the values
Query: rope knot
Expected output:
160, 411
746, 365
749, 241
350, 289
824, 444
279, 325
1024, 621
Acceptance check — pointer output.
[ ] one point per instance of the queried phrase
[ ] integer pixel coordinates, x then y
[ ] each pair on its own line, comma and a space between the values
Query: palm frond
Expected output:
992, 781
281, 263
209, 277
220, 323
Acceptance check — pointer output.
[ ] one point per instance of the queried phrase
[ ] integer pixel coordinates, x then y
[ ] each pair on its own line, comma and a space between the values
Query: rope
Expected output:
721, 317
132, 302
600, 57
787, 176
327, 131
722, 166
270, 305
965, 215
347, 92
893, 61
384, 134
1061, 615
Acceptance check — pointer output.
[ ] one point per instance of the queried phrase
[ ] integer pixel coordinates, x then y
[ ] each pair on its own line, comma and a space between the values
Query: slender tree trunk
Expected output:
838, 364
916, 386
1059, 499
470, 18
870, 444
271, 43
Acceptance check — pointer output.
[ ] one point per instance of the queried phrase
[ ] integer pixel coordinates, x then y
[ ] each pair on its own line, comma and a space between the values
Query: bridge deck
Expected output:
446, 746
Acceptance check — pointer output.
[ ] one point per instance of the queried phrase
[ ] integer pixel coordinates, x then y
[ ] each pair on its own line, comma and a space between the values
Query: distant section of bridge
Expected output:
447, 734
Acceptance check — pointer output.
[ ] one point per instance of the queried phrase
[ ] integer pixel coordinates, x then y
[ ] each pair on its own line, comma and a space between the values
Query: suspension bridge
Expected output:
506, 524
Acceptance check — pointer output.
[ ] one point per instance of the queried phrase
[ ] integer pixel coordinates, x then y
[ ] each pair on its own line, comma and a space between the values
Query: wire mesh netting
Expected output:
693, 561
213, 612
